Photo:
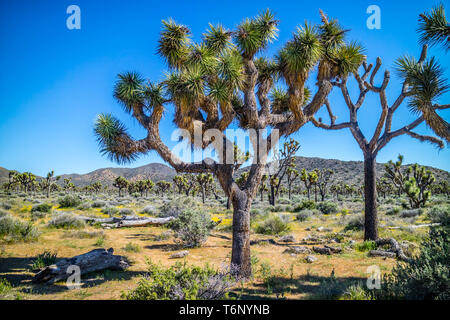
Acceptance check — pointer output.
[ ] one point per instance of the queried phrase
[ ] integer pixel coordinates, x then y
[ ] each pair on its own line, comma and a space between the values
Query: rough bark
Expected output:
370, 196
95, 260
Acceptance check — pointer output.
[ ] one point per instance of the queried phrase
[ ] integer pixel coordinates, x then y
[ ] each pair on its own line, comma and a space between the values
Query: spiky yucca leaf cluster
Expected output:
427, 83
280, 99
434, 28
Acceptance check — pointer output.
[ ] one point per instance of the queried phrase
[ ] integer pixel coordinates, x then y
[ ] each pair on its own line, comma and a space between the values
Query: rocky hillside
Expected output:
349, 171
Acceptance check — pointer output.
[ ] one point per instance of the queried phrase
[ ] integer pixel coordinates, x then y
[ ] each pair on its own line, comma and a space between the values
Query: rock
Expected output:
310, 259
382, 253
297, 250
180, 254
322, 229
287, 238
328, 250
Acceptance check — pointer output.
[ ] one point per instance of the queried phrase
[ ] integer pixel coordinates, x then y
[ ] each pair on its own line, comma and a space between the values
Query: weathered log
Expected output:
395, 247
139, 223
95, 260
110, 220
382, 253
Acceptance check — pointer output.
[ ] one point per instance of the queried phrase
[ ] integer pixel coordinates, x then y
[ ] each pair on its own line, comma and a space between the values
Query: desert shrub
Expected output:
192, 228
307, 204
111, 211
393, 211
43, 207
357, 292
331, 288
67, 220
327, 207
3, 213
411, 213
126, 212
13, 229
254, 212
43, 260
272, 224
304, 215
84, 206
69, 201
35, 215
148, 210
132, 247
439, 213
279, 208
100, 241
6, 206
81, 234
98, 204
181, 282
366, 246
355, 223
176, 206
427, 276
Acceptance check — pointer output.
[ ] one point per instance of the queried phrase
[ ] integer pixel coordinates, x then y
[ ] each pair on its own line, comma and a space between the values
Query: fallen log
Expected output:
95, 260
139, 222
394, 251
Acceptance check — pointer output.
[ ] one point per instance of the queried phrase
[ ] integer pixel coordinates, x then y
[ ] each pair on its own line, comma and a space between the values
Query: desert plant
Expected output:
66, 220
273, 225
69, 201
181, 282
192, 228
327, 207
355, 223
13, 229
43, 260
43, 207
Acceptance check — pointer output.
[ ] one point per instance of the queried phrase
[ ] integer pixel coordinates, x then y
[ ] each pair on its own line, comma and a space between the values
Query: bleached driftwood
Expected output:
95, 260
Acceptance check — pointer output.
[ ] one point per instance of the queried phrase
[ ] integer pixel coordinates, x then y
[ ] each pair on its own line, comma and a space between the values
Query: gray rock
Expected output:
297, 250
287, 238
310, 259
180, 254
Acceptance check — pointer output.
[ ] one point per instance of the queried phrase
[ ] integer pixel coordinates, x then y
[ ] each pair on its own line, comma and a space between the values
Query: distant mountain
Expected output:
349, 171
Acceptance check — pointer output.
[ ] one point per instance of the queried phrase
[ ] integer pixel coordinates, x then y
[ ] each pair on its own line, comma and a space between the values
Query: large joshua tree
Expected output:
224, 78
423, 84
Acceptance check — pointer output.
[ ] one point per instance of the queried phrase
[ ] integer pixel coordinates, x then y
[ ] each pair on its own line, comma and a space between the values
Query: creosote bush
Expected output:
43, 207
192, 228
272, 225
175, 207
355, 223
66, 220
69, 201
181, 282
327, 207
13, 230
307, 204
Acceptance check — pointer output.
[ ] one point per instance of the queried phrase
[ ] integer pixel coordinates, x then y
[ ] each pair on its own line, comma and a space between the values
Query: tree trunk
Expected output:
272, 195
370, 196
240, 254
203, 195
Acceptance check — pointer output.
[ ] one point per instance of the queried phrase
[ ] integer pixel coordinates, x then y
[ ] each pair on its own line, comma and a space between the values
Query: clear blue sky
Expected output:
54, 81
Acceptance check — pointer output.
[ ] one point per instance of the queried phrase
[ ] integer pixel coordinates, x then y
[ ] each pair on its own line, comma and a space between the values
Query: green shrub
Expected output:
327, 207
393, 211
355, 223
177, 206
357, 292
181, 282
307, 204
132, 247
5, 287
304, 215
98, 204
69, 201
43, 260
13, 229
427, 276
111, 211
366, 246
272, 225
67, 220
192, 228
438, 214
43, 207
411, 213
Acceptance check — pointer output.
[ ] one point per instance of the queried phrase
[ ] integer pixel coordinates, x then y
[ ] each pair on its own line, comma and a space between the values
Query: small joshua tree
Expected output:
309, 179
204, 181
96, 187
291, 175
417, 185
163, 186
181, 182
50, 182
394, 173
120, 183
323, 179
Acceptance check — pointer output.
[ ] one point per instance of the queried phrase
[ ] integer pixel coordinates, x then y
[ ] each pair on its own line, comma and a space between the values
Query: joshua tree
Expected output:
11, 179
291, 175
219, 80
423, 84
277, 170
434, 28
120, 183
384, 186
417, 184
50, 182
180, 182
68, 185
323, 179
394, 173
163, 186
263, 187
142, 186
96, 186
309, 179
204, 181
26, 180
